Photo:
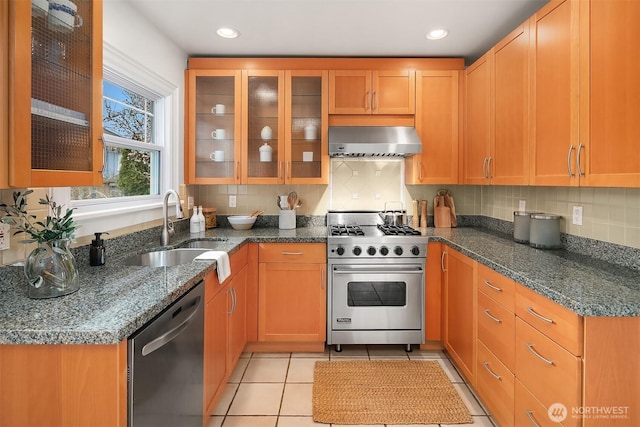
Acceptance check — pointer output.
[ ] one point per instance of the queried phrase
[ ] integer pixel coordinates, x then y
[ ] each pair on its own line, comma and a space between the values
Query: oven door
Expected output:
377, 296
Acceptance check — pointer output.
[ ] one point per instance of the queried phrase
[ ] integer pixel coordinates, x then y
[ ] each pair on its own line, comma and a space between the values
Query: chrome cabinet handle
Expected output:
569, 170
489, 159
495, 288
538, 355
579, 159
373, 102
539, 316
490, 316
233, 301
484, 168
292, 253
366, 101
493, 374
530, 415
442, 261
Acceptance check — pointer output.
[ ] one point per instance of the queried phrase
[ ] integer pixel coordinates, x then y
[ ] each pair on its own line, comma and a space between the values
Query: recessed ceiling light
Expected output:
227, 33
437, 34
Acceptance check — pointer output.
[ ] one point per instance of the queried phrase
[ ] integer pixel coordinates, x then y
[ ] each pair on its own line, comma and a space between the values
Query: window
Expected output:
140, 122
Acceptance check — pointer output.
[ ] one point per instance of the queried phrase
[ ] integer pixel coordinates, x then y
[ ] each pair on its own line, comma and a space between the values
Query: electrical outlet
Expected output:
577, 215
190, 202
5, 237
232, 201
522, 206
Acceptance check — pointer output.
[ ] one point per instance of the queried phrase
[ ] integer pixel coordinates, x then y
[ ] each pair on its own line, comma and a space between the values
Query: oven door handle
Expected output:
382, 269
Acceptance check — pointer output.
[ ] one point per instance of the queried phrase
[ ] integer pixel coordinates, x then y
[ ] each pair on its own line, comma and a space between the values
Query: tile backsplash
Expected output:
609, 214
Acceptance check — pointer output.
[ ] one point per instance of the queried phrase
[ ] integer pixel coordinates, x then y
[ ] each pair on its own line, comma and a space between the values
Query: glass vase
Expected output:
51, 270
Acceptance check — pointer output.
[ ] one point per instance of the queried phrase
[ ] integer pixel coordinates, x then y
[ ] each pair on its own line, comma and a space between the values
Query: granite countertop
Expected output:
114, 300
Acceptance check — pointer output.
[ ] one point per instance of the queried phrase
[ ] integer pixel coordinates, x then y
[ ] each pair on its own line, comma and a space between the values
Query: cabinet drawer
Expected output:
550, 372
495, 384
528, 411
558, 323
497, 286
293, 252
496, 329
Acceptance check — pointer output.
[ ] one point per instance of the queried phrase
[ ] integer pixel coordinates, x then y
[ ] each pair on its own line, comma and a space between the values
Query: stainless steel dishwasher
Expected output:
165, 366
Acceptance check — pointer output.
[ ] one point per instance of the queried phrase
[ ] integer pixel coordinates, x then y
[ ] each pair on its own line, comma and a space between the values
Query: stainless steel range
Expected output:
376, 281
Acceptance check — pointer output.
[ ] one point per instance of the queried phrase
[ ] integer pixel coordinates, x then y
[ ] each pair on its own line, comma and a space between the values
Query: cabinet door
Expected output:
214, 128
609, 94
433, 293
307, 160
394, 92
459, 316
263, 127
350, 92
4, 94
292, 302
215, 347
237, 318
437, 124
554, 94
477, 133
510, 145
56, 118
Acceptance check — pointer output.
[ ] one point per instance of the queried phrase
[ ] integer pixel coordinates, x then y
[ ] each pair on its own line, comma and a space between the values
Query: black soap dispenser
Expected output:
97, 253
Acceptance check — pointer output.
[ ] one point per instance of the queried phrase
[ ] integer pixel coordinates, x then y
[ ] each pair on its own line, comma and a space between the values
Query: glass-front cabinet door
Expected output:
263, 122
214, 128
56, 118
306, 127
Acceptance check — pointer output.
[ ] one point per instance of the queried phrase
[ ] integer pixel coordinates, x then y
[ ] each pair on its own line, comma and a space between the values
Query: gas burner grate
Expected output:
346, 230
398, 230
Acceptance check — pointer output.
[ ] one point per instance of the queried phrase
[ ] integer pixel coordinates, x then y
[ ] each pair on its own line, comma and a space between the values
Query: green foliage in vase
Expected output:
56, 226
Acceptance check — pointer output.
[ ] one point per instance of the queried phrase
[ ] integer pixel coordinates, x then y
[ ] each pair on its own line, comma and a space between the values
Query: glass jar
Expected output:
51, 270
209, 217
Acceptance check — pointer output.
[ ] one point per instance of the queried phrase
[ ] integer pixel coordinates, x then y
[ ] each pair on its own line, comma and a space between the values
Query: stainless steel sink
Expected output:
166, 258
204, 244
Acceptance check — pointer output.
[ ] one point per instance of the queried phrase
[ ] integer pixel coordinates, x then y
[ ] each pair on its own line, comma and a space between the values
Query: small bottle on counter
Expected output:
97, 251
201, 220
194, 222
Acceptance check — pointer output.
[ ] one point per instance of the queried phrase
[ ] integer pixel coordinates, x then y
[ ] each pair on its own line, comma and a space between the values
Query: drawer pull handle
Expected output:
490, 316
292, 253
538, 355
539, 316
530, 415
493, 374
495, 288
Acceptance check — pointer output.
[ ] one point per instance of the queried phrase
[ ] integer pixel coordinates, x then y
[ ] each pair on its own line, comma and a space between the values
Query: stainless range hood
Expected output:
373, 141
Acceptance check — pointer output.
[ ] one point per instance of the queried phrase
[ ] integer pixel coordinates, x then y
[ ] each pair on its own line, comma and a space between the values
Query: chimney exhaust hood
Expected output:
373, 141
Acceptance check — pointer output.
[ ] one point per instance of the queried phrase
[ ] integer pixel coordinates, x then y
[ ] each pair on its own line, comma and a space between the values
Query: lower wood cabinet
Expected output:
495, 383
292, 293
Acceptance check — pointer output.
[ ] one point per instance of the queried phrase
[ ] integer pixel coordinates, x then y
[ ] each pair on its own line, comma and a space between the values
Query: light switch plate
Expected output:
232, 201
577, 215
5, 237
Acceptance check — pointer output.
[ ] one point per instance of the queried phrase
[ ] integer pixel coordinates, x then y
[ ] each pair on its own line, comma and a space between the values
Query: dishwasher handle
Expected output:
171, 334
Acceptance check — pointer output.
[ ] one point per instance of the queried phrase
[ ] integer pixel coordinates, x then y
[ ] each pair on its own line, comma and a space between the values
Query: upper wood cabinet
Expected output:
372, 92
477, 121
55, 111
608, 152
437, 113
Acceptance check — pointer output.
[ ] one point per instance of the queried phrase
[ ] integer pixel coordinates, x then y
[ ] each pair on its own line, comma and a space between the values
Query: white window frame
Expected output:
99, 215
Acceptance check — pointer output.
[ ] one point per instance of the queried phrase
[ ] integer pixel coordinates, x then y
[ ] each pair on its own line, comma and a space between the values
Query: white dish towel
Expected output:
223, 266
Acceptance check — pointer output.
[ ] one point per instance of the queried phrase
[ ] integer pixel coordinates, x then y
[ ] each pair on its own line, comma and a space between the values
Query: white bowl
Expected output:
242, 222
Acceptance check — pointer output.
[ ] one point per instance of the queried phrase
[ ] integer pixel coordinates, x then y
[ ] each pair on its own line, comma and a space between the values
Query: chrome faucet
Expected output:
167, 225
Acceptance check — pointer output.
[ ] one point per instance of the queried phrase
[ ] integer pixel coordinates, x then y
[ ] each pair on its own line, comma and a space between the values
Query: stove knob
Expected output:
384, 251
415, 250
357, 250
340, 250
397, 250
371, 250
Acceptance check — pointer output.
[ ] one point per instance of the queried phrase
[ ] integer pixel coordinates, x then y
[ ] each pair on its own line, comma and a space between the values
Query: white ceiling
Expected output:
382, 28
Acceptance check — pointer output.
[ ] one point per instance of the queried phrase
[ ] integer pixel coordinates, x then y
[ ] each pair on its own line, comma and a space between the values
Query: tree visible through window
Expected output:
131, 161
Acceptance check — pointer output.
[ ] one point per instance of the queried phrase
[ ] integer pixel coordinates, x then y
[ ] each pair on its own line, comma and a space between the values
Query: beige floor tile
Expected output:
215, 421
271, 355
357, 351
297, 399
267, 370
301, 370
238, 372
427, 354
250, 421
293, 421
468, 399
257, 399
225, 400
324, 355
451, 372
